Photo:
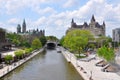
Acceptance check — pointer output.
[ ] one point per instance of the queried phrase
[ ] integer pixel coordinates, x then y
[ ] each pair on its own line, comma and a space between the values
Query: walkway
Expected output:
89, 68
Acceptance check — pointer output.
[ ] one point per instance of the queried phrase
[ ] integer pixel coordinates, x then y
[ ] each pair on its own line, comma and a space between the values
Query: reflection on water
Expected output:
48, 65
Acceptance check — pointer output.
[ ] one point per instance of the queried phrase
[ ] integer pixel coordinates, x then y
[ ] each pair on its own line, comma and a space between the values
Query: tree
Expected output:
52, 38
76, 40
91, 45
62, 40
8, 58
79, 44
36, 44
16, 42
13, 36
43, 40
106, 53
25, 43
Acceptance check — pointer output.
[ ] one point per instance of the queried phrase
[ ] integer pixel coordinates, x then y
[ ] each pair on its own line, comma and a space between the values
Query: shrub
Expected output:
28, 51
8, 58
19, 53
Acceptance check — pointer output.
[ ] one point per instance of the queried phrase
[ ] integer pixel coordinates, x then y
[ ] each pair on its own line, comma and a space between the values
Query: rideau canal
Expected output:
48, 65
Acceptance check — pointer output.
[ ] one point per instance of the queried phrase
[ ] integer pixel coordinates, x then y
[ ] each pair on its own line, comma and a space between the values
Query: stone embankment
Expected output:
8, 68
88, 69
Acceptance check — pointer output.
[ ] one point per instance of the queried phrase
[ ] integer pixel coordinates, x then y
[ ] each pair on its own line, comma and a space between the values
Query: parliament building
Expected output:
29, 34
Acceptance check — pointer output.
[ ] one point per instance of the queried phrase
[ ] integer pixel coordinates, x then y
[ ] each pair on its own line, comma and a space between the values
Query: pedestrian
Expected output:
90, 76
7, 69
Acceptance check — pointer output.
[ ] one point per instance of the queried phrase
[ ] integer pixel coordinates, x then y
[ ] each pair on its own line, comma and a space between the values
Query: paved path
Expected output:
9, 68
89, 67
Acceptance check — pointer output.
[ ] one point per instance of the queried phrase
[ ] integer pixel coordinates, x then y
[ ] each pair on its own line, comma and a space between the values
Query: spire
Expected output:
103, 23
43, 32
72, 20
24, 26
93, 18
37, 30
24, 21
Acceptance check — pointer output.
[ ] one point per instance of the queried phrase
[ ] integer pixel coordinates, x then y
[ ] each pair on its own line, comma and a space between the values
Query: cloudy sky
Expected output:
55, 15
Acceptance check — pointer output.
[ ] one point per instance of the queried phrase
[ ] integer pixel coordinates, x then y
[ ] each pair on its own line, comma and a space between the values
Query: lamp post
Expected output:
70, 57
77, 62
90, 76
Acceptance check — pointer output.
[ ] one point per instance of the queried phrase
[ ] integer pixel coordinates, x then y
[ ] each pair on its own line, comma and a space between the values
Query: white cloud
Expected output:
2, 24
59, 22
11, 28
40, 21
13, 21
70, 3
47, 10
7, 27
13, 6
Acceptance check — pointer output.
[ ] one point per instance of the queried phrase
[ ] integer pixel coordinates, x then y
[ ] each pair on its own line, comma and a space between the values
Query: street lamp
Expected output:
70, 56
77, 62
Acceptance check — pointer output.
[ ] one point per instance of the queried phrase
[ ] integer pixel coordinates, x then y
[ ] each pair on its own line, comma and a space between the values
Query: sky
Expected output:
54, 16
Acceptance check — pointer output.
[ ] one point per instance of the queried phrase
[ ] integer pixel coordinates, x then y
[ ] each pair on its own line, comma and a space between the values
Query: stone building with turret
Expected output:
29, 34
94, 27
22, 30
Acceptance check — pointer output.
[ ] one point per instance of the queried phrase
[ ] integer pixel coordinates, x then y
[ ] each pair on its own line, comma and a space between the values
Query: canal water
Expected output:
48, 65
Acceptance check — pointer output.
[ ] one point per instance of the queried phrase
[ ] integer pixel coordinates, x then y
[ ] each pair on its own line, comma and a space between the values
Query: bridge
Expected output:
51, 44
